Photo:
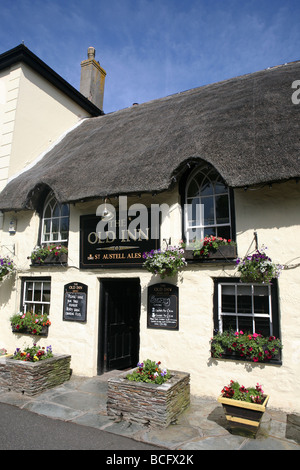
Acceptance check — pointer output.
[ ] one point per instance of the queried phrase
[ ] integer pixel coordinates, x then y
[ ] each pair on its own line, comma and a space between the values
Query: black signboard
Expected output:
122, 247
75, 301
162, 312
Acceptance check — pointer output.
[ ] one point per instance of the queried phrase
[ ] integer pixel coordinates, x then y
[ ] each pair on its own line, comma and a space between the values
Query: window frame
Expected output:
25, 303
61, 241
274, 313
184, 185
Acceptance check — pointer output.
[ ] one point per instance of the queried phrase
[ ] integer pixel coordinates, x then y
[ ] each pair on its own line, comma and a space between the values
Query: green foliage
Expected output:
7, 267
165, 263
40, 253
250, 346
237, 392
149, 371
29, 321
208, 245
33, 354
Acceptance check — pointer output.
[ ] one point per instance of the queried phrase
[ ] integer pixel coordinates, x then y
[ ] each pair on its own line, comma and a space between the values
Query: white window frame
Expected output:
37, 306
252, 315
49, 200
200, 216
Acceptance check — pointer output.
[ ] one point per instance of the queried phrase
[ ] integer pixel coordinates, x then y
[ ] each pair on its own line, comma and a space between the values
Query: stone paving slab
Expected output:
202, 426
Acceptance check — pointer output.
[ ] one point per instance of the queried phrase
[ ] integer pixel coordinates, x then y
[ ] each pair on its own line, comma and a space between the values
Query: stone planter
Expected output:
243, 418
32, 378
146, 403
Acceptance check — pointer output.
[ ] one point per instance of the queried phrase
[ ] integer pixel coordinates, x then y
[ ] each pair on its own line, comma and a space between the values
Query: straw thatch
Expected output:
246, 127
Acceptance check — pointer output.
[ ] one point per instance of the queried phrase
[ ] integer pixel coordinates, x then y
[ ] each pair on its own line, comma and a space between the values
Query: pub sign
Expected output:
122, 246
75, 301
162, 309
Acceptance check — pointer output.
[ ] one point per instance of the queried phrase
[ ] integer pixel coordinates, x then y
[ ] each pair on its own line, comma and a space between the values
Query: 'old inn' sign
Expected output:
122, 242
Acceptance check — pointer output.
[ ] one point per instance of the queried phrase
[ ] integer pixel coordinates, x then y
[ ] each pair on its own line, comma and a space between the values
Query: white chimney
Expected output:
92, 79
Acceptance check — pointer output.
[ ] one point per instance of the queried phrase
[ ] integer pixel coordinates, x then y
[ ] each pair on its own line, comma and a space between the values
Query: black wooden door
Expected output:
119, 324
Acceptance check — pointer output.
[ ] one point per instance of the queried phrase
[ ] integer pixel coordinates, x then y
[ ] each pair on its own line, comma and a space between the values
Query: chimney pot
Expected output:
92, 79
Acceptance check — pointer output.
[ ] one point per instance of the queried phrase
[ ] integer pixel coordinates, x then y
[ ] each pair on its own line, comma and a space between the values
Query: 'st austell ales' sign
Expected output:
117, 240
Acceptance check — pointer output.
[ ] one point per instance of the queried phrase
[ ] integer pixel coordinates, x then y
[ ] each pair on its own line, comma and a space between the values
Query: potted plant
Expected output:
258, 268
165, 263
7, 267
148, 394
252, 347
35, 369
211, 248
49, 254
30, 323
243, 407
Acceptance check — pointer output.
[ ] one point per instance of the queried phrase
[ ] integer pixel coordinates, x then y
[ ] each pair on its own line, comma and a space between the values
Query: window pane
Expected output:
220, 188
193, 189
222, 209
244, 299
206, 188
261, 299
28, 291
245, 324
46, 292
210, 231
55, 225
229, 323
65, 210
262, 326
224, 232
37, 291
209, 216
56, 211
228, 299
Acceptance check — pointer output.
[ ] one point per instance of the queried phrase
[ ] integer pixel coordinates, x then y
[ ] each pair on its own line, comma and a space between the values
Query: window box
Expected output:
224, 252
51, 259
148, 403
27, 331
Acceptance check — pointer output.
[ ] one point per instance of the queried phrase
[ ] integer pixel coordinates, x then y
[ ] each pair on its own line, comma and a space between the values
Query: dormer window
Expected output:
55, 221
207, 205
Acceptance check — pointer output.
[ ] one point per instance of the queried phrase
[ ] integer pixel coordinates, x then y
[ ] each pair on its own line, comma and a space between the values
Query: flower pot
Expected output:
243, 418
148, 403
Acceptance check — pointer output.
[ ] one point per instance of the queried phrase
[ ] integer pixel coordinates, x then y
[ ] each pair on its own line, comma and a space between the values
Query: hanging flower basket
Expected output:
243, 408
165, 263
258, 268
7, 267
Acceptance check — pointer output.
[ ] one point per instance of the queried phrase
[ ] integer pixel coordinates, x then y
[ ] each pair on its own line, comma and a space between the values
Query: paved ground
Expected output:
82, 401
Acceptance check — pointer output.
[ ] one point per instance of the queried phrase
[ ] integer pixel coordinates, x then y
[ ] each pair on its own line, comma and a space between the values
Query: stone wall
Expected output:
32, 378
146, 403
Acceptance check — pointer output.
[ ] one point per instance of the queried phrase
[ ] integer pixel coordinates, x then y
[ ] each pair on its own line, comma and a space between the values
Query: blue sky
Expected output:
154, 48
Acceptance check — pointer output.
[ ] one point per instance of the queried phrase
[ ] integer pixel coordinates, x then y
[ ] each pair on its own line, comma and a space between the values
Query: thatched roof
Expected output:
246, 127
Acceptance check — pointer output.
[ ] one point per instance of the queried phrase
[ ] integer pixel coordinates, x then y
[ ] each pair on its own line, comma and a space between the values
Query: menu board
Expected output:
162, 308
75, 301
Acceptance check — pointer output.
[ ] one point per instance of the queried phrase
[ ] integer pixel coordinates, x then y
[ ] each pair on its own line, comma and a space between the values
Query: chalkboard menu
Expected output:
75, 301
162, 311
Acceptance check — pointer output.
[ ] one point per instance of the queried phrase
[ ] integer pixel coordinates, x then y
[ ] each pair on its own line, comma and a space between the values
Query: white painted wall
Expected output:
274, 214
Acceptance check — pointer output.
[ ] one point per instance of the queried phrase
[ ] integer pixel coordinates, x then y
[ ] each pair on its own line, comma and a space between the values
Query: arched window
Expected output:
55, 221
207, 205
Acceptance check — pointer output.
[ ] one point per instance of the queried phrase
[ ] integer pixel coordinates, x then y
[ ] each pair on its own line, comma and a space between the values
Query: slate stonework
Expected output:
32, 378
146, 403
